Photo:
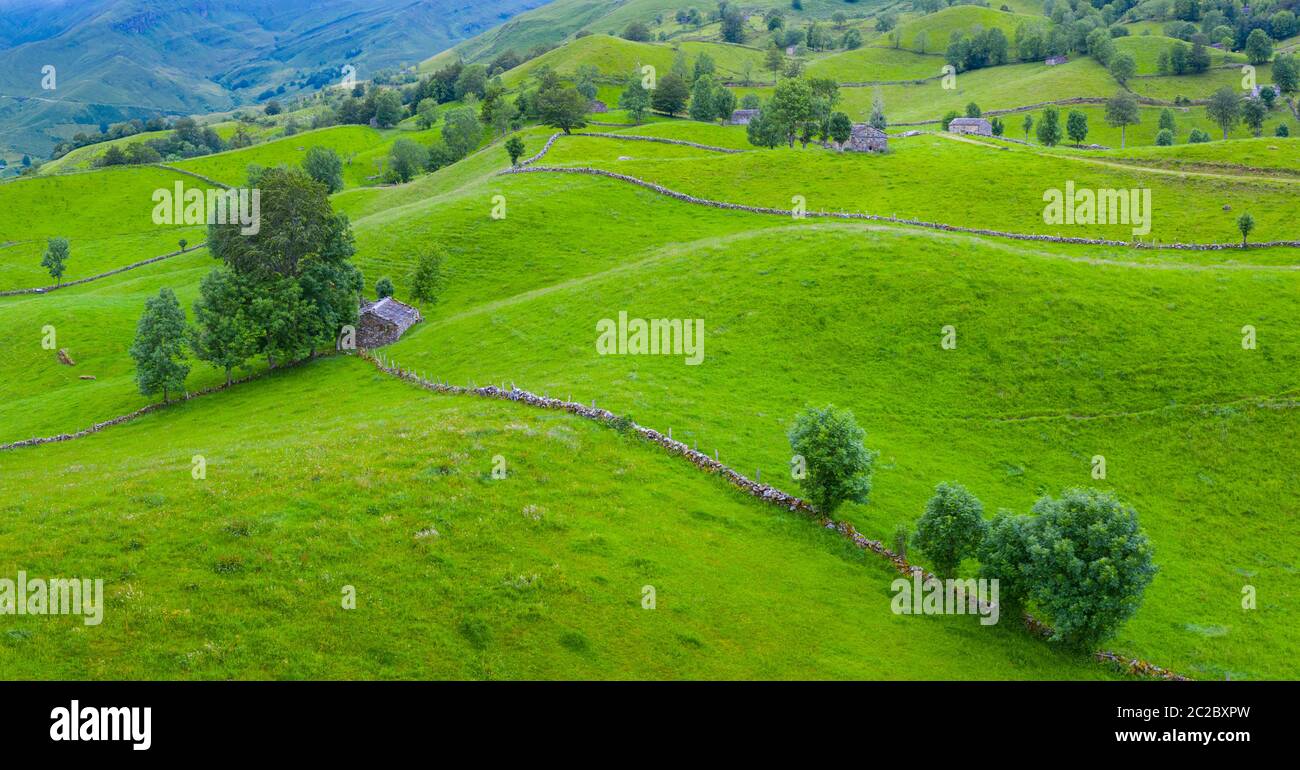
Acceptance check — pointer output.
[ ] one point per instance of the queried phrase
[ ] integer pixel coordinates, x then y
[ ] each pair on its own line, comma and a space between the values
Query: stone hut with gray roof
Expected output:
384, 322
976, 126
741, 117
866, 138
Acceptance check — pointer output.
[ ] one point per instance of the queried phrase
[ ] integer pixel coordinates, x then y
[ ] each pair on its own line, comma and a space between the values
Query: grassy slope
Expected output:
1265, 152
1146, 49
1144, 133
519, 308
107, 217
912, 181
938, 27
539, 575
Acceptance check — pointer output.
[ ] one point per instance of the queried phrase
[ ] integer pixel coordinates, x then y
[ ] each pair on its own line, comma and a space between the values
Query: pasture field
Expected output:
330, 474
107, 217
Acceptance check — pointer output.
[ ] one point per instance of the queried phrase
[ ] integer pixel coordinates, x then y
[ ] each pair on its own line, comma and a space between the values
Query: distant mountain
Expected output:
118, 59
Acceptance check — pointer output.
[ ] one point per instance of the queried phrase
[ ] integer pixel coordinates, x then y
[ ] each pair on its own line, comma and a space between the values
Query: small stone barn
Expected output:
741, 117
976, 126
597, 107
383, 322
866, 138
1052, 61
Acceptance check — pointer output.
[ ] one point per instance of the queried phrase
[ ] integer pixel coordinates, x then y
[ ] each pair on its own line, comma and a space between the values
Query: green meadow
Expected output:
330, 477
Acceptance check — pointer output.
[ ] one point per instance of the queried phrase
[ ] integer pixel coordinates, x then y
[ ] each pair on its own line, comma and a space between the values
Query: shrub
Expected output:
324, 165
1282, 130
1089, 564
1004, 556
951, 528
383, 288
1197, 136
838, 464
1164, 137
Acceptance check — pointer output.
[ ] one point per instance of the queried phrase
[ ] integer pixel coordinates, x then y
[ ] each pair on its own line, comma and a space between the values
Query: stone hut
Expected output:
597, 107
976, 126
1052, 61
866, 138
740, 118
384, 322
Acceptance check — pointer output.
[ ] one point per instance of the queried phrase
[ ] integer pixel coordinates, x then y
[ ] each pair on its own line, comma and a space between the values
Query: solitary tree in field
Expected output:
837, 465
1254, 113
1246, 224
670, 95
562, 108
159, 347
1028, 125
56, 258
1122, 112
1259, 47
426, 280
1224, 108
1122, 67
514, 148
1076, 126
324, 165
951, 528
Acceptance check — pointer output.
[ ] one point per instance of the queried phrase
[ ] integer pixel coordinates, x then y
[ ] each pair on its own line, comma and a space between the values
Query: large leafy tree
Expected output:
836, 461
427, 278
159, 347
635, 99
323, 165
1049, 127
1089, 564
563, 108
790, 107
670, 94
224, 335
1076, 126
296, 270
1122, 112
1224, 108
461, 131
1259, 47
951, 528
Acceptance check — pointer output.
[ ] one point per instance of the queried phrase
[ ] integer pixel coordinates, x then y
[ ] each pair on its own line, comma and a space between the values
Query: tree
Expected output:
724, 102
635, 99
514, 148
383, 288
774, 60
1224, 108
427, 279
702, 106
877, 119
704, 65
1027, 125
1286, 74
1253, 114
1076, 126
951, 528
562, 108
841, 128
1259, 47
1167, 122
999, 128
1164, 138
670, 94
1282, 130
1049, 127
733, 26
1246, 224
296, 267
324, 165
1122, 112
159, 347
406, 160
790, 107
973, 110
1197, 136
637, 32
837, 464
471, 80
56, 256
426, 113
948, 118
272, 108
1004, 556
1122, 67
762, 131
388, 108
1089, 564
461, 131
224, 334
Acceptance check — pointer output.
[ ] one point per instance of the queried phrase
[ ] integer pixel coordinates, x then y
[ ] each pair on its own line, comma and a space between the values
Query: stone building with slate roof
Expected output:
384, 322
866, 138
976, 126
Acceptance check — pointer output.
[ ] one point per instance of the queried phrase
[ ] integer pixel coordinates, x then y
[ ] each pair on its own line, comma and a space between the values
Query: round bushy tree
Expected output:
383, 288
1089, 564
1004, 557
951, 528
837, 463
1164, 137
325, 166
